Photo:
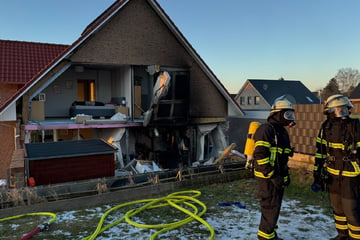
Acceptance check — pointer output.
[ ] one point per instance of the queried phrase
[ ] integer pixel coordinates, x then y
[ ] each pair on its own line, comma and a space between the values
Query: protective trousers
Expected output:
344, 199
270, 199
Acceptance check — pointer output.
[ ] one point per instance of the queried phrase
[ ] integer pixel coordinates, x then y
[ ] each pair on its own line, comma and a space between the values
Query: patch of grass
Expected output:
300, 189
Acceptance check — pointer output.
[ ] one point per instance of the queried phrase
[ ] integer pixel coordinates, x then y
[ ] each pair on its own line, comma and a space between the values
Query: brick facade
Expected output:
7, 146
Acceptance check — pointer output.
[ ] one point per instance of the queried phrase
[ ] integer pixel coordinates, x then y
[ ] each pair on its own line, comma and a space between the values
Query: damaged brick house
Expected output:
131, 79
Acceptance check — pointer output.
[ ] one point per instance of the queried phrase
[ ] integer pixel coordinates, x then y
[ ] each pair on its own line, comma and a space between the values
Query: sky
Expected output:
303, 40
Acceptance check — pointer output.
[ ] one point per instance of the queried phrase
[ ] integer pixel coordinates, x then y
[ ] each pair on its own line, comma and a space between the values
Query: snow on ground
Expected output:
295, 223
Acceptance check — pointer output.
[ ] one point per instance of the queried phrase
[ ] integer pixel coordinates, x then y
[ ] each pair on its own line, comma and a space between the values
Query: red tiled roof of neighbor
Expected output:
20, 61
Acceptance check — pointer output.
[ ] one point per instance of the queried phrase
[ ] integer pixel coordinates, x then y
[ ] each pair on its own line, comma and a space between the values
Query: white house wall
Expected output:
249, 91
122, 83
9, 114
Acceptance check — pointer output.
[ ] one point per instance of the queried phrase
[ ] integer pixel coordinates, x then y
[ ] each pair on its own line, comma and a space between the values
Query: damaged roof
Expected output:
91, 29
62, 149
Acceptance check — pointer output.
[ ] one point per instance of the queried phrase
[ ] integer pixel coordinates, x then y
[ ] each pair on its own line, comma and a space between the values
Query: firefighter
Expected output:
336, 167
271, 153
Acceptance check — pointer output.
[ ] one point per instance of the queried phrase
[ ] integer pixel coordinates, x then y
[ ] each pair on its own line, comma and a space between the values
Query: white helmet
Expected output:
286, 110
338, 101
281, 103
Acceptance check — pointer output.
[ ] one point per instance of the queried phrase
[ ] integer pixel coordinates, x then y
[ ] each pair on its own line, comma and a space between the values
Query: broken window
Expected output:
173, 107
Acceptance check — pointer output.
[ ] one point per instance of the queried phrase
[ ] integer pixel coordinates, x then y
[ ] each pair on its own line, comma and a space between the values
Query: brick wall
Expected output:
7, 146
6, 91
308, 118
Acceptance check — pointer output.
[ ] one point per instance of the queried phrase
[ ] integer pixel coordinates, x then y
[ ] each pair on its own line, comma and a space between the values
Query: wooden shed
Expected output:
57, 162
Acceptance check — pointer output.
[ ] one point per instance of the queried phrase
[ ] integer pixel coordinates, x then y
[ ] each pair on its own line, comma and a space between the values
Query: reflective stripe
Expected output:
319, 155
340, 218
341, 226
333, 171
262, 144
354, 236
265, 235
276, 150
357, 144
354, 228
272, 156
263, 161
316, 168
287, 150
354, 173
337, 145
321, 141
261, 175
286, 178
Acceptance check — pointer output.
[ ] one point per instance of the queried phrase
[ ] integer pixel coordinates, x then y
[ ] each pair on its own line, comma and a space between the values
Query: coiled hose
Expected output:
39, 228
173, 199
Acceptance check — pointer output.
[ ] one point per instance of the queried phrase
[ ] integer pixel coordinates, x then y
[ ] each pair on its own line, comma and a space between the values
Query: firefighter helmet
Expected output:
281, 103
338, 101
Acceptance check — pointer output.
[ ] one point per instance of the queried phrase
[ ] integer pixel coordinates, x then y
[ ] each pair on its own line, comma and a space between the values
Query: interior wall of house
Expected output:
121, 83
64, 90
103, 86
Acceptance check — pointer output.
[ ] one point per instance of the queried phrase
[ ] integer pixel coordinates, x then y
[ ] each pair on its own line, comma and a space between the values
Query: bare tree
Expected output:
347, 79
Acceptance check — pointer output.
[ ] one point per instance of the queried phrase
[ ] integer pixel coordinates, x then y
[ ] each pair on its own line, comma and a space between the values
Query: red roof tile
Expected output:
20, 61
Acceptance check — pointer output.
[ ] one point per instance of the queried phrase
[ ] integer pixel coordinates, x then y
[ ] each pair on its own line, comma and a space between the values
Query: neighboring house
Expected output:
355, 94
131, 79
257, 96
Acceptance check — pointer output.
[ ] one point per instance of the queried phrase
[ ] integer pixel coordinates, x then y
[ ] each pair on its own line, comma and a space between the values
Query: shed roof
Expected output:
294, 90
20, 61
39, 151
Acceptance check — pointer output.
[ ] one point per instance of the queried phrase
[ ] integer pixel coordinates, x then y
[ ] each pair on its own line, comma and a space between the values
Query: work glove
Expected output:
317, 185
277, 181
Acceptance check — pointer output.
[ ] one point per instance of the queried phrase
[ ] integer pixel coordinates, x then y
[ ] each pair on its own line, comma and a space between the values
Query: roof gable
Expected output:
97, 25
295, 91
20, 61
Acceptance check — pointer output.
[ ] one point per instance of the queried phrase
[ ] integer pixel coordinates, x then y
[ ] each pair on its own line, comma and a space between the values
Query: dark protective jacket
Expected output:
337, 167
272, 150
338, 146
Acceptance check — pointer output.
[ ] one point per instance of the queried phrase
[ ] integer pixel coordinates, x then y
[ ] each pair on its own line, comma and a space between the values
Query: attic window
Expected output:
309, 99
242, 100
249, 98
256, 100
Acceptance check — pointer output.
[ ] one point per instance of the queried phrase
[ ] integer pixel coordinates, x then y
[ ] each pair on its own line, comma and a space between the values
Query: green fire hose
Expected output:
176, 200
39, 228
